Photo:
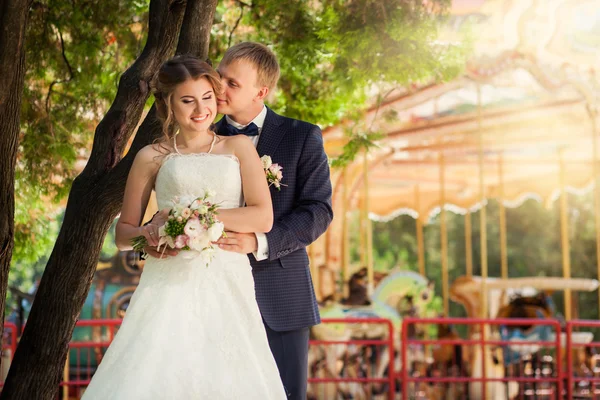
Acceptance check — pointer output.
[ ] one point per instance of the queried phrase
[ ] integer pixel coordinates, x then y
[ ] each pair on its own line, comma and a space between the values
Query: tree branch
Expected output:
195, 32
123, 116
237, 22
58, 81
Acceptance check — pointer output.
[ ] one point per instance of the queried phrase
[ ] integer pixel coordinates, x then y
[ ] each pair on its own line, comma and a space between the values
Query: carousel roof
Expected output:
523, 103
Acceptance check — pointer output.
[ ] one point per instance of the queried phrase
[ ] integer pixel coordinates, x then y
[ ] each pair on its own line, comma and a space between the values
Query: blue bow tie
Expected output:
226, 129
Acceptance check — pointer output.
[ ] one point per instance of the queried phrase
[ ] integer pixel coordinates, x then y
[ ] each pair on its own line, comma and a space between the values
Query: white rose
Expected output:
193, 228
266, 161
215, 231
199, 242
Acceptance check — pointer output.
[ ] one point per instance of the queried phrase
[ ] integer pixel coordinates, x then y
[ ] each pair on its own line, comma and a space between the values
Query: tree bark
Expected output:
95, 199
13, 20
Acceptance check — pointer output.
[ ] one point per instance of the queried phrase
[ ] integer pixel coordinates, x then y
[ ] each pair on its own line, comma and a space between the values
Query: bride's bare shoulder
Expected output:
236, 143
156, 150
154, 153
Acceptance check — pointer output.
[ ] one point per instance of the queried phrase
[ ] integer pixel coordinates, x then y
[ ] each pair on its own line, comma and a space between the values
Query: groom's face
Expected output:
242, 96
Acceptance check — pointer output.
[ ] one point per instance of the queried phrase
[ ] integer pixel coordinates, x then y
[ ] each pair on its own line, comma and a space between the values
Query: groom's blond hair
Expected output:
260, 56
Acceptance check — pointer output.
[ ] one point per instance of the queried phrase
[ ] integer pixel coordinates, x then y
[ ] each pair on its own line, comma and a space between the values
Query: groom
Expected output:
302, 208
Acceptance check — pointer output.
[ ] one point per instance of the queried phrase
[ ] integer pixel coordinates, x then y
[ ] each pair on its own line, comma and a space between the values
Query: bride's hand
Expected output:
150, 232
160, 218
151, 251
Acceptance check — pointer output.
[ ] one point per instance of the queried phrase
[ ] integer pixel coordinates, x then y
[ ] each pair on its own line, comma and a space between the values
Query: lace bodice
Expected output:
193, 174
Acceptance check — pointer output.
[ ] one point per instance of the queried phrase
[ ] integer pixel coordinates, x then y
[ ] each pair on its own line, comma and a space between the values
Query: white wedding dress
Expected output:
192, 331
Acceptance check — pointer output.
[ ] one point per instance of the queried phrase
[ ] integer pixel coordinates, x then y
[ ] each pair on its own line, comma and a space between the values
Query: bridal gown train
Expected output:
192, 331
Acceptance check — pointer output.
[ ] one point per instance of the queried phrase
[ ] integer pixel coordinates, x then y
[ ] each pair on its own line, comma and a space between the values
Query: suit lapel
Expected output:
217, 126
271, 134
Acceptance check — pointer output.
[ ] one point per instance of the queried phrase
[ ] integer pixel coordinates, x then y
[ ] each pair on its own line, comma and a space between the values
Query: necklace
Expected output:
212, 144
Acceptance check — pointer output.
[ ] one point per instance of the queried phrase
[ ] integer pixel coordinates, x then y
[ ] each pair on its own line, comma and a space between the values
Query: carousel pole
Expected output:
345, 235
468, 244
593, 113
66, 375
363, 231
420, 242
367, 225
564, 235
482, 214
503, 248
444, 235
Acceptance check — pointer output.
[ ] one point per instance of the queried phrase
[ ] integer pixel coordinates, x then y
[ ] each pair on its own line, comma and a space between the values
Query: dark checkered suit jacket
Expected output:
284, 289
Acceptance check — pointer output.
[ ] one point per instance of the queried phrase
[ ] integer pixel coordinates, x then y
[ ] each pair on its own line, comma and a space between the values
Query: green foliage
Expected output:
109, 247
333, 53
75, 51
356, 143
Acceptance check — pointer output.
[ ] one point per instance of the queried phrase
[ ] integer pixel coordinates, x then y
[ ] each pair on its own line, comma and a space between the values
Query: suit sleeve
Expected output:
312, 213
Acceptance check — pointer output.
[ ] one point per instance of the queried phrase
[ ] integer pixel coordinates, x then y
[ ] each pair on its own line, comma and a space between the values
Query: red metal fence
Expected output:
583, 359
443, 358
354, 362
482, 359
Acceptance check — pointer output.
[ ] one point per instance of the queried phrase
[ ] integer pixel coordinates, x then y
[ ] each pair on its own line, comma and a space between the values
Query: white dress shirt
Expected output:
262, 253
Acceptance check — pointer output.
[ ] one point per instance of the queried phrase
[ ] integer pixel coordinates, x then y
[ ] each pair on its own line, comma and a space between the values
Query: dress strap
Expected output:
175, 144
212, 144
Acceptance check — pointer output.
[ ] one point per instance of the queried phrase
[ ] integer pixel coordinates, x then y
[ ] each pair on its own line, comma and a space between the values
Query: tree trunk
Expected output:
13, 20
94, 201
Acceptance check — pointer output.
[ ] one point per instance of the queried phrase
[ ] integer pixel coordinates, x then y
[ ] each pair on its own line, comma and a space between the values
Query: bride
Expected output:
192, 331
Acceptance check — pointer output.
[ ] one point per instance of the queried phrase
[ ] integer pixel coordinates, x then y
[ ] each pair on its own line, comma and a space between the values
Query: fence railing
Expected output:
441, 358
350, 362
493, 359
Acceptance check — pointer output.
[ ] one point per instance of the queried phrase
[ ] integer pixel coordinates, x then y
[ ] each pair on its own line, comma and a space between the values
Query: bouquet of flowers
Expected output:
192, 225
273, 171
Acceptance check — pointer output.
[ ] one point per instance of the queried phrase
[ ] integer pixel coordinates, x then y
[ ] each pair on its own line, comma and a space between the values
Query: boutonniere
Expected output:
272, 172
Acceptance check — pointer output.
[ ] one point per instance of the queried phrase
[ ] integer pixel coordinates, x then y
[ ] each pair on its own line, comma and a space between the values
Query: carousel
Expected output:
520, 123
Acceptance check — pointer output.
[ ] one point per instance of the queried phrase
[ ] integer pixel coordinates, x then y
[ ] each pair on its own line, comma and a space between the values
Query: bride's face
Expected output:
194, 105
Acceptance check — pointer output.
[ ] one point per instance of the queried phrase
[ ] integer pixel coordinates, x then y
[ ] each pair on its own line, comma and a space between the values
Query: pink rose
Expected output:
181, 241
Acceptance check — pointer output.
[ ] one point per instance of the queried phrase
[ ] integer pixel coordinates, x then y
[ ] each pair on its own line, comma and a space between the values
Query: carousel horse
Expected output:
357, 289
397, 295
539, 305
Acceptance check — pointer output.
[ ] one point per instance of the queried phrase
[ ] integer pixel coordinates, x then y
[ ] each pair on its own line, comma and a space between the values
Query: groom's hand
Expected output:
244, 243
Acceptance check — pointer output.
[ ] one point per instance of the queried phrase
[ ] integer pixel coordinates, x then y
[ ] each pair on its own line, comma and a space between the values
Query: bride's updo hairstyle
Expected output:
173, 72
